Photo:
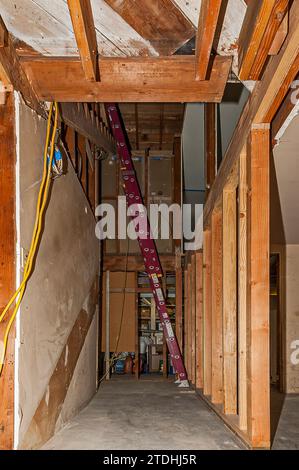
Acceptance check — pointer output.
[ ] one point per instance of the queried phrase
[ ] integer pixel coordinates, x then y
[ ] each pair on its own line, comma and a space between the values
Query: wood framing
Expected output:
86, 124
193, 320
84, 29
207, 23
12, 72
199, 320
258, 392
262, 105
134, 263
179, 300
207, 313
7, 262
210, 123
188, 323
217, 344
129, 79
229, 231
242, 291
261, 23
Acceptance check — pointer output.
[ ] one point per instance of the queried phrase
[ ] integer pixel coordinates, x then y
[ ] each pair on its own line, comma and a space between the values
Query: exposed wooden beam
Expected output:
12, 73
207, 23
7, 262
229, 273
207, 312
75, 117
261, 23
135, 263
210, 144
280, 35
199, 321
258, 402
84, 29
130, 79
242, 291
262, 105
217, 321
192, 376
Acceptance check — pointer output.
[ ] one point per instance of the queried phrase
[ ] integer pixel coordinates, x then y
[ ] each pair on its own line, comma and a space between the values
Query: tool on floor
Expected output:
145, 240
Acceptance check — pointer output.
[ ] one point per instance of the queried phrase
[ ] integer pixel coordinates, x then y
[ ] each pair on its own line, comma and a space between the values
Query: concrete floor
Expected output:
148, 414
287, 432
154, 414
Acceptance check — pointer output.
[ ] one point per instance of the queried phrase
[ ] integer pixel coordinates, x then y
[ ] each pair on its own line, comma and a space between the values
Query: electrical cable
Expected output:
40, 209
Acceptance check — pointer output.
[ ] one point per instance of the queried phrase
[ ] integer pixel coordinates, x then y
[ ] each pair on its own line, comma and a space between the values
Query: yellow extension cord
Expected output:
40, 209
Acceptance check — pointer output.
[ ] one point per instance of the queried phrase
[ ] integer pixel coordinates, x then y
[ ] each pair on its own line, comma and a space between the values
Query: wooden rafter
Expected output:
130, 79
84, 29
12, 73
262, 105
207, 23
261, 23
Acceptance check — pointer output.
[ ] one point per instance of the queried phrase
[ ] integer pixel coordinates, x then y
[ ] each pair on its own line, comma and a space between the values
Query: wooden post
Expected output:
217, 347
193, 319
258, 398
199, 322
210, 144
207, 313
242, 294
165, 347
229, 230
107, 354
179, 300
189, 324
7, 263
137, 365
186, 301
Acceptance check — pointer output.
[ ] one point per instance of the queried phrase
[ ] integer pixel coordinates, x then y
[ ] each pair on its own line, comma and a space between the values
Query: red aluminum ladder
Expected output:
146, 242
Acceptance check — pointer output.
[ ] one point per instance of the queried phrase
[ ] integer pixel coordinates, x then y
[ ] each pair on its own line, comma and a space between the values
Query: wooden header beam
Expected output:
261, 106
207, 23
84, 29
261, 23
135, 263
130, 79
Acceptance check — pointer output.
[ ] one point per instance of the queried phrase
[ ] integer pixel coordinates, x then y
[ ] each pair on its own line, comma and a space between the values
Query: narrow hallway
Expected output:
145, 414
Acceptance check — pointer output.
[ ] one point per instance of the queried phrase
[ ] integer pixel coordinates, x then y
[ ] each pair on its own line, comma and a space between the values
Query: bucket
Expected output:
120, 366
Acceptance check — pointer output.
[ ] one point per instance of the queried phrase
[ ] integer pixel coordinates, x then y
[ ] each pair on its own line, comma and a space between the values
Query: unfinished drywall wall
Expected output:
60, 300
285, 233
292, 319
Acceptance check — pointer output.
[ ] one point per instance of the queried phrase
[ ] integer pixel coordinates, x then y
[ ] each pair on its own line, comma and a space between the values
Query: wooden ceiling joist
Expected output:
207, 23
84, 29
261, 107
12, 73
261, 23
85, 123
130, 79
